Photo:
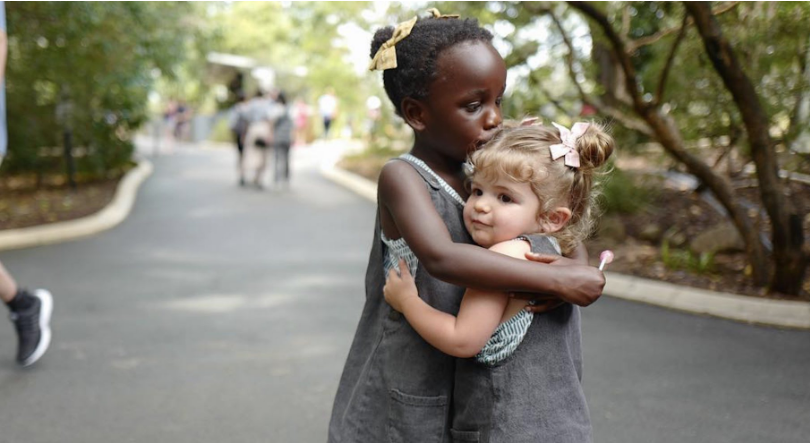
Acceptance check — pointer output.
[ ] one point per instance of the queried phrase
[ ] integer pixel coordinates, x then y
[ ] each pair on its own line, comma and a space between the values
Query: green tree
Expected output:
103, 57
650, 70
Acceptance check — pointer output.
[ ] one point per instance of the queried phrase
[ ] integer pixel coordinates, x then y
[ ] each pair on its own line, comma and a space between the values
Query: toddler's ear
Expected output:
414, 113
555, 220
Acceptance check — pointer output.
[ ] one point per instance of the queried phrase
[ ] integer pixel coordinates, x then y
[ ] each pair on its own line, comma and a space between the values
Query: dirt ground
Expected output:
688, 213
23, 206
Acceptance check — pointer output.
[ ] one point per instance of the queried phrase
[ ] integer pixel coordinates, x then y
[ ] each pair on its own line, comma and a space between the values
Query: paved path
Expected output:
220, 314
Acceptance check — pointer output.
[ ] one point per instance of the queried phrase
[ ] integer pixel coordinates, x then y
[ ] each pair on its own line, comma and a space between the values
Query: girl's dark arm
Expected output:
403, 194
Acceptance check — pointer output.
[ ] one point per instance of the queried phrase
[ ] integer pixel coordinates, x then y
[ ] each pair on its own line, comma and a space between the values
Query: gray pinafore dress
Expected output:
395, 386
534, 395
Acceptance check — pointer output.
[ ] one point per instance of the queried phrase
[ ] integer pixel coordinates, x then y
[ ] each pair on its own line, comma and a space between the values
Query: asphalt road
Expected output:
221, 314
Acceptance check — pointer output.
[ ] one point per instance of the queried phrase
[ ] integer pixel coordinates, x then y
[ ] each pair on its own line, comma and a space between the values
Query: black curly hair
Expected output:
417, 54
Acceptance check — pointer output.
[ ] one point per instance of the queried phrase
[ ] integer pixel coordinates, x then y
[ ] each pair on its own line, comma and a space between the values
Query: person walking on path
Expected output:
259, 136
327, 106
282, 140
446, 80
301, 113
30, 312
238, 121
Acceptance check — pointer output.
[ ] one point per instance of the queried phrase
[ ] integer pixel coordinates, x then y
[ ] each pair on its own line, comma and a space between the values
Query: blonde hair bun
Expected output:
595, 147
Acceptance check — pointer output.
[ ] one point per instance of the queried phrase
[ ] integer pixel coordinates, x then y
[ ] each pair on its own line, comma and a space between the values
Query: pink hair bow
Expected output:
568, 147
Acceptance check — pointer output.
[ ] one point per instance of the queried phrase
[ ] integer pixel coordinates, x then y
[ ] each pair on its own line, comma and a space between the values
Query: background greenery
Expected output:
107, 59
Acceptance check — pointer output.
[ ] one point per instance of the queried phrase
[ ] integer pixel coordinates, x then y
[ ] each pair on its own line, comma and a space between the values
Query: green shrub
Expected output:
621, 194
702, 263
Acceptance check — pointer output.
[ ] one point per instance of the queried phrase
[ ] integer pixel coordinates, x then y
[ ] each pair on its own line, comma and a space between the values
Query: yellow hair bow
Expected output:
386, 56
436, 14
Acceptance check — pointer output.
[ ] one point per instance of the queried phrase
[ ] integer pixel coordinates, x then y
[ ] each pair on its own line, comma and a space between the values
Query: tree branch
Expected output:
569, 58
788, 238
800, 113
620, 52
556, 102
634, 45
601, 108
625, 21
659, 93
666, 132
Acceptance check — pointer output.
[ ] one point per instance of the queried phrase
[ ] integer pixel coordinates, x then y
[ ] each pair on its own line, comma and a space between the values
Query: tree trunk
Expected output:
669, 136
609, 75
666, 132
790, 259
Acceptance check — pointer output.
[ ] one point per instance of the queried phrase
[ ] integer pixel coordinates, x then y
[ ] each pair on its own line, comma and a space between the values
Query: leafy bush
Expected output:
621, 194
683, 259
102, 58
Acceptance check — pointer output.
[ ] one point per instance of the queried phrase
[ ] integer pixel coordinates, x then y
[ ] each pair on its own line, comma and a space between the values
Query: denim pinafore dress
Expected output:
535, 394
395, 386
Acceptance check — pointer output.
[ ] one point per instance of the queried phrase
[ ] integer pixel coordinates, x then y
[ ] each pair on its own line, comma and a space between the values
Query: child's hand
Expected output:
400, 288
583, 285
544, 306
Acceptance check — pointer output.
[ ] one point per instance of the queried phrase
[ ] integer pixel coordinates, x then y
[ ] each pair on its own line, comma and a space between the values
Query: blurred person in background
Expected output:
373, 114
182, 123
327, 106
259, 136
30, 312
238, 121
301, 116
282, 140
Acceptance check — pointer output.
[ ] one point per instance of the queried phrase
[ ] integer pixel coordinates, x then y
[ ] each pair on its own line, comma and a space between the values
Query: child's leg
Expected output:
277, 150
240, 160
286, 162
8, 287
262, 164
31, 315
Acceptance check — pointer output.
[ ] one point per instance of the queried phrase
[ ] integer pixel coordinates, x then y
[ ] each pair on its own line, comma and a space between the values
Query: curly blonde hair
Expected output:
522, 154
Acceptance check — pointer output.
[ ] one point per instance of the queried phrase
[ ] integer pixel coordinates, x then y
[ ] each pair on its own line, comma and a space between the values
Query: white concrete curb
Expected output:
360, 185
789, 314
785, 313
114, 213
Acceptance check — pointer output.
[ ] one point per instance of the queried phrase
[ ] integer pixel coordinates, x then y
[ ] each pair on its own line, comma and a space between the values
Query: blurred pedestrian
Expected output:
282, 140
327, 106
301, 116
259, 135
30, 312
374, 111
238, 121
182, 122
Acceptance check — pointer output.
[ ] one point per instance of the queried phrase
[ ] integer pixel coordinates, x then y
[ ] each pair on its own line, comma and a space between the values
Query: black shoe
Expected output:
33, 328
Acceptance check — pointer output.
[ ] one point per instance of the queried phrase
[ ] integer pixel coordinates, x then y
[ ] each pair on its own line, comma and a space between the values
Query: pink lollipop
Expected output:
605, 257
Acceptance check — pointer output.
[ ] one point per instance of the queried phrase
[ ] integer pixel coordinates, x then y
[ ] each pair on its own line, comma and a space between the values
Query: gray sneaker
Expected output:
33, 328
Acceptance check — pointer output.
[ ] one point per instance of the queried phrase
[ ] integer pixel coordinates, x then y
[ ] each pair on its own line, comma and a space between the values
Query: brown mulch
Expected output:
23, 206
690, 214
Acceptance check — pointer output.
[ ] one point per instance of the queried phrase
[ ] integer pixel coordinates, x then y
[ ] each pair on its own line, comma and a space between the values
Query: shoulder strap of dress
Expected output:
543, 244
431, 177
426, 176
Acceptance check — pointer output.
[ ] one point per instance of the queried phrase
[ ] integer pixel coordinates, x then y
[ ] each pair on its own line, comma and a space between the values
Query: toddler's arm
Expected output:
402, 193
461, 336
